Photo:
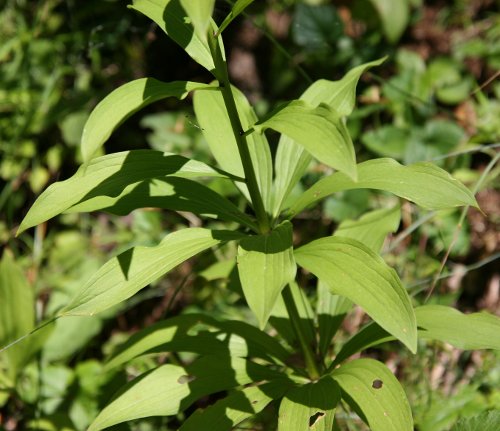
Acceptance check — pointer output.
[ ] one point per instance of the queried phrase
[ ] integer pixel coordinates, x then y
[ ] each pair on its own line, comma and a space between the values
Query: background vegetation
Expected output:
437, 98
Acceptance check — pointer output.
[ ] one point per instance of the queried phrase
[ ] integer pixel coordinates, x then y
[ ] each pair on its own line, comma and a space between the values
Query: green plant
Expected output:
297, 368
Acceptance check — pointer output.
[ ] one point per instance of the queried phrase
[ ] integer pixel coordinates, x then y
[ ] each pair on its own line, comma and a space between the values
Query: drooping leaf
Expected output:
318, 129
212, 116
372, 228
156, 338
170, 389
109, 176
465, 331
117, 106
124, 275
199, 12
177, 194
423, 183
310, 407
170, 17
265, 266
370, 388
239, 405
351, 269
394, 15
238, 7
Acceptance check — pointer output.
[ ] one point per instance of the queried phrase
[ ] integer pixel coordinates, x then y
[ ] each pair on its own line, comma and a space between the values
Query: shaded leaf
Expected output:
310, 407
318, 129
351, 269
109, 176
423, 183
120, 104
124, 275
370, 388
265, 266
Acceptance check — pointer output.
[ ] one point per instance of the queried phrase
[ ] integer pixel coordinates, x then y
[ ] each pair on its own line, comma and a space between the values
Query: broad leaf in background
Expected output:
212, 116
310, 407
372, 390
170, 17
109, 176
239, 405
199, 12
169, 389
394, 15
351, 269
124, 275
265, 266
487, 421
238, 7
465, 331
117, 106
372, 228
423, 183
318, 129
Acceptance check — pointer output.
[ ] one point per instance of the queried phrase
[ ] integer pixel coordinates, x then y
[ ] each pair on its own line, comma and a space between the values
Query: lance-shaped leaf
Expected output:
176, 194
291, 159
239, 405
238, 7
117, 106
265, 266
310, 407
109, 176
318, 129
372, 390
199, 12
351, 269
372, 228
212, 116
124, 275
170, 17
169, 389
423, 183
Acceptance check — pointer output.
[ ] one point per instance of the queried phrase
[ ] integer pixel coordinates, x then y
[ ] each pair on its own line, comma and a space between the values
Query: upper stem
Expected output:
222, 76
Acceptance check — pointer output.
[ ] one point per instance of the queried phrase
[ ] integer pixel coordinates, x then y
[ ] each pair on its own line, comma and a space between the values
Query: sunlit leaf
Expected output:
372, 390
310, 407
351, 269
124, 275
238, 7
117, 106
200, 12
394, 15
109, 176
318, 129
265, 266
423, 183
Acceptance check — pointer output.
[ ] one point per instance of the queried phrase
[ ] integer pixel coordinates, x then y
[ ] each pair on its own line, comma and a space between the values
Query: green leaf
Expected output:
117, 106
370, 388
394, 15
239, 405
169, 389
199, 12
238, 7
372, 228
177, 194
170, 17
465, 331
423, 183
109, 176
265, 266
212, 116
351, 269
310, 407
486, 421
159, 337
318, 129
124, 275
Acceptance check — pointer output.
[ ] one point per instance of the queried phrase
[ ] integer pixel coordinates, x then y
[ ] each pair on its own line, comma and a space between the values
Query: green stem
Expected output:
293, 314
222, 76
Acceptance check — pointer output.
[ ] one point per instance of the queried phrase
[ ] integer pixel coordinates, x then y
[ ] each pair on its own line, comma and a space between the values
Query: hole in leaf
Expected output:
185, 379
377, 384
315, 418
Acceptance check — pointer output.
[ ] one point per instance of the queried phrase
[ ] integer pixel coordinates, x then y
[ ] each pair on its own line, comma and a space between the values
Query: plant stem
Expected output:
293, 314
222, 76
